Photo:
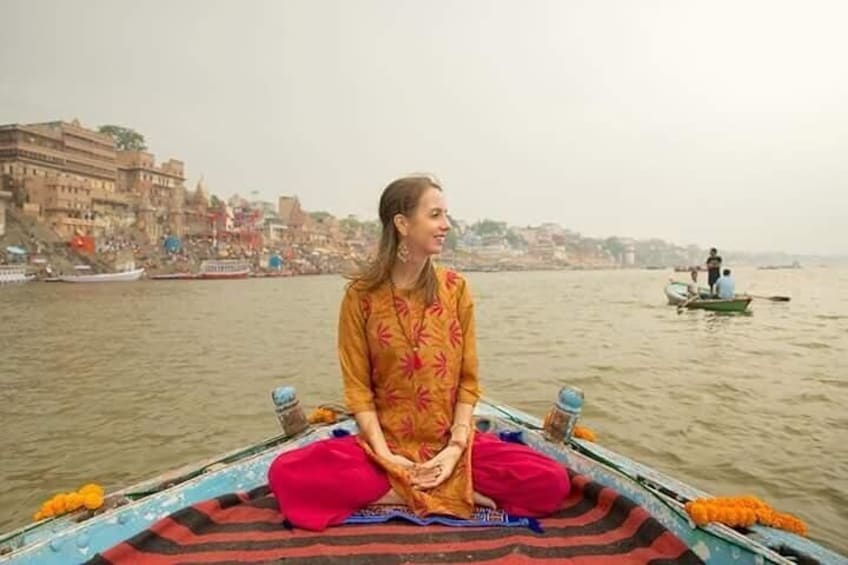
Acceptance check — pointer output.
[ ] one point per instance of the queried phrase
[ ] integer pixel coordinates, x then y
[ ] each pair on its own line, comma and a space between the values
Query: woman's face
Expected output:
428, 225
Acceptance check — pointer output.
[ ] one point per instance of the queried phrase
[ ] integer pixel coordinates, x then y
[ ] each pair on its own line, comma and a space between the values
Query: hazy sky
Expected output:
714, 122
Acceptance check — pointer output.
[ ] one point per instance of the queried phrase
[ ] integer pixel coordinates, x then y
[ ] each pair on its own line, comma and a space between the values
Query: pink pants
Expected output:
323, 483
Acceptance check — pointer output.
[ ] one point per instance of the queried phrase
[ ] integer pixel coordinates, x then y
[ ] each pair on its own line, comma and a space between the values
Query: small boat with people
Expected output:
221, 510
677, 295
224, 269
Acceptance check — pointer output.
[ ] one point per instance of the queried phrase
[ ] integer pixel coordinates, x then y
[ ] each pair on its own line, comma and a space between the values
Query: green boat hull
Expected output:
677, 296
719, 305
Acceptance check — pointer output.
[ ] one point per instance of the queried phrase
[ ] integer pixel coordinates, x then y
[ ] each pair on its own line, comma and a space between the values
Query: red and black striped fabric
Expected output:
595, 526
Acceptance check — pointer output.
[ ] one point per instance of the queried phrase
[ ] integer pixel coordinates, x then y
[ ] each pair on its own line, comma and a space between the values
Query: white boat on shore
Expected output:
14, 274
224, 269
123, 276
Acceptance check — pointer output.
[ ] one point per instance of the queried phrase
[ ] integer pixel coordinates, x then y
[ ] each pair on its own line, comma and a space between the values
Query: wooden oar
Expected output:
772, 298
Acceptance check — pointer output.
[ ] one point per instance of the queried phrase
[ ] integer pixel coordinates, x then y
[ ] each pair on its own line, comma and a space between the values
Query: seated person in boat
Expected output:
407, 350
692, 287
726, 286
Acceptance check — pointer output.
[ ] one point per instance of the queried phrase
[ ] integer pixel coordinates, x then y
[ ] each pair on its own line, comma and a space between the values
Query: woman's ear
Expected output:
401, 224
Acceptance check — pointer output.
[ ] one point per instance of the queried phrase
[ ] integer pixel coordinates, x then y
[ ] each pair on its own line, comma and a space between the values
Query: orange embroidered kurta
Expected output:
414, 396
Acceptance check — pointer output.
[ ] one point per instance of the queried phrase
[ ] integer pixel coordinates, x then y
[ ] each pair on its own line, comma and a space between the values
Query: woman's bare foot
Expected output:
391, 497
484, 501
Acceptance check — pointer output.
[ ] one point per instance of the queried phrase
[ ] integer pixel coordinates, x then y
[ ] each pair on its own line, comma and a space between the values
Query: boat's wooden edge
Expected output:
160, 483
762, 538
187, 481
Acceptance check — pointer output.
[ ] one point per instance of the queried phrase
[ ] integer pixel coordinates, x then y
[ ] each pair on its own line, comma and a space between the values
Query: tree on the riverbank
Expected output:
615, 247
489, 227
320, 216
126, 139
515, 241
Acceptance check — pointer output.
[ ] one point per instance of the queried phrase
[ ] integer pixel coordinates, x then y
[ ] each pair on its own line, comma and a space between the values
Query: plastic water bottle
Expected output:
288, 410
560, 422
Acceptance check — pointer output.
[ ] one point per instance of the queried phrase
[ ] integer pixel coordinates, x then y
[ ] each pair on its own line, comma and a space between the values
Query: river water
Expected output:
113, 383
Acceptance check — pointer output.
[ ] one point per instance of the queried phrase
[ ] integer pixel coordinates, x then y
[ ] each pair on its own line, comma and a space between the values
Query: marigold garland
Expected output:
89, 496
582, 432
322, 415
744, 511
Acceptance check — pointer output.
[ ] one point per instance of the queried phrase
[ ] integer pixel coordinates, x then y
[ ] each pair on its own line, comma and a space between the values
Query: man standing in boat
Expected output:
713, 268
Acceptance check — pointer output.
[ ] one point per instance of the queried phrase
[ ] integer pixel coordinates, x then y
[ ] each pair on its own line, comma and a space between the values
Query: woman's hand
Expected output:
398, 460
437, 470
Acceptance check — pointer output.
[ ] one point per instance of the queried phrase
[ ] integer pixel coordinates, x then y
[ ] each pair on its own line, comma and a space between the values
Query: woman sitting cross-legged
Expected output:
407, 350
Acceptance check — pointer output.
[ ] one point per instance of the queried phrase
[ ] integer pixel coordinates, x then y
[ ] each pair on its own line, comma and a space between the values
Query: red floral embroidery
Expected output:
407, 428
450, 279
390, 395
422, 399
409, 363
455, 333
436, 308
443, 427
441, 365
365, 304
401, 306
419, 333
384, 336
425, 453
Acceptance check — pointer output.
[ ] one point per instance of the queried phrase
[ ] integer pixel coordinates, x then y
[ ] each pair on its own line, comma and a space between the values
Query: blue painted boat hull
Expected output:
64, 540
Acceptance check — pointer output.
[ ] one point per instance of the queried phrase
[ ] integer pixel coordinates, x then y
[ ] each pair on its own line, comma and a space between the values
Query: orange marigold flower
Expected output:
93, 501
322, 416
698, 512
91, 488
742, 511
735, 516
713, 513
59, 504
582, 432
74, 501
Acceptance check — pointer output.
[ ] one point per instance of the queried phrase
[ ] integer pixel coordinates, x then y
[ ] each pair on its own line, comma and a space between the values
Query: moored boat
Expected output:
122, 276
174, 277
223, 269
271, 274
794, 265
219, 509
14, 274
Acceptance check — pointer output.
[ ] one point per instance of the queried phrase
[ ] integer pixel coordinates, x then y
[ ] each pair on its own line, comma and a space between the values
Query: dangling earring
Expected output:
403, 252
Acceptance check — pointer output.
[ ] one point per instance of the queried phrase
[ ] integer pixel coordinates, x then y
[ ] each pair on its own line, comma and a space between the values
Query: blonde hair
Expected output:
401, 196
